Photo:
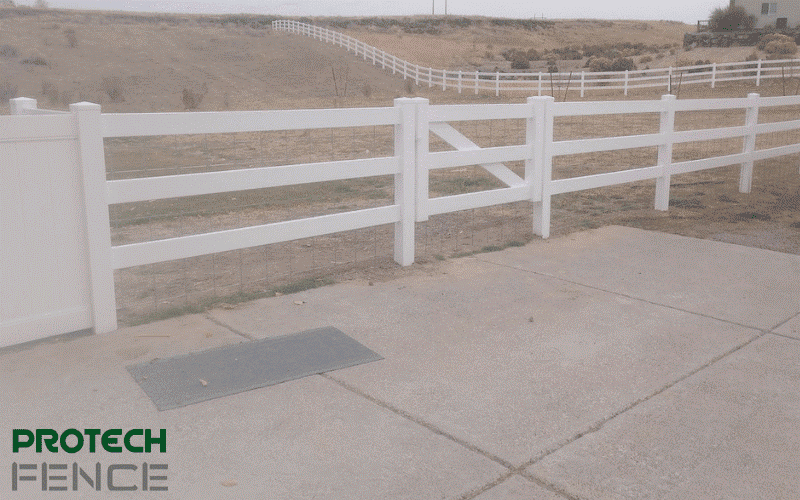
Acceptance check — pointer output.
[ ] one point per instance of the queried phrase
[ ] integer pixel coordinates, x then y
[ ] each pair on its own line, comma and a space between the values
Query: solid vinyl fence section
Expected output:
32, 139
540, 83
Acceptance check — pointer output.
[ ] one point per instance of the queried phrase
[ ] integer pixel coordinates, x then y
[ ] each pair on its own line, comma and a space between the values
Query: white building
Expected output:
775, 13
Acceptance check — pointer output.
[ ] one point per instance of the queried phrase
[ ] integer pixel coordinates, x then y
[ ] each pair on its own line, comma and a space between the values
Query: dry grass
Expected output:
161, 62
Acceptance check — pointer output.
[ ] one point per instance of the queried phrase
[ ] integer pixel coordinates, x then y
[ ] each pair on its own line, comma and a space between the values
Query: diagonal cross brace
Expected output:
462, 143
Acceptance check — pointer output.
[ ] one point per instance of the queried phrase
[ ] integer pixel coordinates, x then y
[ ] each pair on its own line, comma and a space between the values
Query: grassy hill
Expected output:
165, 62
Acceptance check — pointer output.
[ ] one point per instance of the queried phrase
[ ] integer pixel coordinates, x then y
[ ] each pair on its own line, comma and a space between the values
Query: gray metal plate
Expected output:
193, 378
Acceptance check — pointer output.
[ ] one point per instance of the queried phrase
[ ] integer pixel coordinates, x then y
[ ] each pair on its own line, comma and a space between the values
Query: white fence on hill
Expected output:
541, 82
56, 256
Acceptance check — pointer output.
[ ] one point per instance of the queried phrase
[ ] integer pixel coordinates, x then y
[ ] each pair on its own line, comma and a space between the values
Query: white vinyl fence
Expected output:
56, 256
540, 83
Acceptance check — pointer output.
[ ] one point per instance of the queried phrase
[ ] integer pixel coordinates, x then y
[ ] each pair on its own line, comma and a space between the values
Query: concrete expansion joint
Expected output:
599, 424
772, 330
631, 297
417, 420
512, 470
469, 495
783, 336
548, 485
228, 327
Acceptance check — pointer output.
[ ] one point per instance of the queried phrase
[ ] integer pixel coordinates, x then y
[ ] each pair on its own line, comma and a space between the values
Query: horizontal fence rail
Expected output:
414, 122
195, 184
539, 83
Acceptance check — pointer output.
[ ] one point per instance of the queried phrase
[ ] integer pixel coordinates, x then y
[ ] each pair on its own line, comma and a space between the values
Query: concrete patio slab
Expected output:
511, 362
749, 286
518, 488
500, 380
308, 438
791, 328
730, 431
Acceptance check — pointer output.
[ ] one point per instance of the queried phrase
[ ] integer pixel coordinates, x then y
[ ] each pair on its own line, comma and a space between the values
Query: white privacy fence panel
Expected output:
540, 83
56, 256
45, 284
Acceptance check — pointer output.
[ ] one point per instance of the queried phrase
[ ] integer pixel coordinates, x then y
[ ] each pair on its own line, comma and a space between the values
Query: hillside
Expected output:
152, 62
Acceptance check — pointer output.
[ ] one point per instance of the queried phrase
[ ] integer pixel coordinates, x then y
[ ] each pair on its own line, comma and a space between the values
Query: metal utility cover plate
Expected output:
193, 378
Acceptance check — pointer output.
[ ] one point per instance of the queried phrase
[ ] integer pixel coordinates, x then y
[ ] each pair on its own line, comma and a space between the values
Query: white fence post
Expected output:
497, 84
404, 193
751, 120
758, 74
667, 130
476, 82
714, 75
669, 80
20, 104
444, 80
98, 229
540, 84
626, 83
430, 77
423, 149
459, 81
541, 167
583, 79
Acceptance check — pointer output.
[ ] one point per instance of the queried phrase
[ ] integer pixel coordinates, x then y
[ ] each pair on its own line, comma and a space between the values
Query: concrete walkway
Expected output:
610, 364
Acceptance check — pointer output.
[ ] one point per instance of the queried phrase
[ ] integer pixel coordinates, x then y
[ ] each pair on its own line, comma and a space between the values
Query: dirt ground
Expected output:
152, 59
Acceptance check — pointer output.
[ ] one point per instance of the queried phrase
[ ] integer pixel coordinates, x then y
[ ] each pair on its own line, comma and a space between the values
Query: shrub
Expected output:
36, 61
7, 91
731, 18
520, 61
568, 53
192, 99
781, 47
533, 55
599, 64
551, 66
771, 37
50, 91
645, 59
623, 64
753, 56
8, 51
602, 64
113, 88
72, 39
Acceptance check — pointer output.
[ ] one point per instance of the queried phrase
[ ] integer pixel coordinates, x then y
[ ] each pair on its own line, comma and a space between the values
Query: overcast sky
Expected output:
688, 11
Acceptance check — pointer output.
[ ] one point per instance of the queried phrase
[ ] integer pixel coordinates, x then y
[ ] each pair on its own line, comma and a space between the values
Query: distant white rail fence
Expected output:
541, 82
56, 256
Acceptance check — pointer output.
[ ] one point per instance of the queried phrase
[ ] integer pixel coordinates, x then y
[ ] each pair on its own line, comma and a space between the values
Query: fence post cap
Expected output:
84, 106
668, 97
753, 95
23, 99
